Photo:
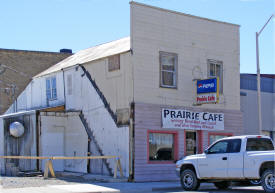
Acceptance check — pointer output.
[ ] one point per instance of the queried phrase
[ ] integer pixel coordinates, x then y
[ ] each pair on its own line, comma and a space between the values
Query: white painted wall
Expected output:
34, 95
117, 85
2, 162
195, 40
58, 134
62, 134
52, 140
76, 144
113, 140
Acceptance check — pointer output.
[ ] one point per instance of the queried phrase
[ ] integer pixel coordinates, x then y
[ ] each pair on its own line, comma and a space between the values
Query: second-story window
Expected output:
51, 88
168, 69
215, 69
114, 63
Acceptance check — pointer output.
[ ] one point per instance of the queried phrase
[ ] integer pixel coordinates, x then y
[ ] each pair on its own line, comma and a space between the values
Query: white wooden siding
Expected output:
194, 40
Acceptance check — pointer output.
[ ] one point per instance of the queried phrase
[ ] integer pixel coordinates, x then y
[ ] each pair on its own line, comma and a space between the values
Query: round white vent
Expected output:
16, 129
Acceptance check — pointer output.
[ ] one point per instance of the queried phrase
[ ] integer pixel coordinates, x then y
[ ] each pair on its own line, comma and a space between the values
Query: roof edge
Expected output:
78, 64
185, 14
35, 51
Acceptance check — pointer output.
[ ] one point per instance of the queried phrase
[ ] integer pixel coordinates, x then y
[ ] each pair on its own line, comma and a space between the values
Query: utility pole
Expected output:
13, 87
259, 76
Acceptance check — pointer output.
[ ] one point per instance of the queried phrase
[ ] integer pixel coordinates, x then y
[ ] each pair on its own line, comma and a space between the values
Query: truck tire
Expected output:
222, 185
268, 181
189, 180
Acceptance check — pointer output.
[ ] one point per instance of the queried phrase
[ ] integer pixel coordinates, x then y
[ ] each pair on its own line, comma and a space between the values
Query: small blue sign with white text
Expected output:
207, 86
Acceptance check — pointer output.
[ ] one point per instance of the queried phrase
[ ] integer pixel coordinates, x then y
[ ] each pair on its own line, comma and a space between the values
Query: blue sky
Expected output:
49, 25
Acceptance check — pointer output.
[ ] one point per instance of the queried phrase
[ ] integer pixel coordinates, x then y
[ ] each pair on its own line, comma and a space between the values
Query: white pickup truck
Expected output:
238, 158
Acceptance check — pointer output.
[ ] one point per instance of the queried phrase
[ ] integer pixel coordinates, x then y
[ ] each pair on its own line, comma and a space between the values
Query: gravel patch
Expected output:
21, 182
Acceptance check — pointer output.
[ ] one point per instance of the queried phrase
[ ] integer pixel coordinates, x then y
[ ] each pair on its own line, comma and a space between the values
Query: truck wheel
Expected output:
222, 185
268, 181
189, 180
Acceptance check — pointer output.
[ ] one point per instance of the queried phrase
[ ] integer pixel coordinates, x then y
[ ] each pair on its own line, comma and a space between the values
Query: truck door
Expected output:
213, 163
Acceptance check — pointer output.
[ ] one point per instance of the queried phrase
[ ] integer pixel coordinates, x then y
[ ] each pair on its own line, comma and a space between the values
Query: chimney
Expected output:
67, 51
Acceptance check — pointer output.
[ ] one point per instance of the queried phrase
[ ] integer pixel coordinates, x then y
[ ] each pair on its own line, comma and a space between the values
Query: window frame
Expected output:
229, 146
114, 69
51, 89
220, 63
175, 146
220, 141
175, 72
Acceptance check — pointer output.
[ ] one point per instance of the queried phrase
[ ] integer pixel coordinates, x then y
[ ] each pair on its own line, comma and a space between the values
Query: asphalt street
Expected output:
69, 185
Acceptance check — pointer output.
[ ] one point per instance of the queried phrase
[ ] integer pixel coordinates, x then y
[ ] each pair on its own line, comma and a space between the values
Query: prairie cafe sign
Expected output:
186, 119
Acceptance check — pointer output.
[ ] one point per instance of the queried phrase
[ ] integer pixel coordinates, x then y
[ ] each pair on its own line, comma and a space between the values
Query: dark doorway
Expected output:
190, 142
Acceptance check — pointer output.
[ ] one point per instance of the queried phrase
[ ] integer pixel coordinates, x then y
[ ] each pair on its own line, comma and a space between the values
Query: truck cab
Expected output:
230, 159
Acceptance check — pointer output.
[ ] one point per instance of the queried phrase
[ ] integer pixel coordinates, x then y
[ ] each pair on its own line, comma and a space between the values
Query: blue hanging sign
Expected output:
207, 86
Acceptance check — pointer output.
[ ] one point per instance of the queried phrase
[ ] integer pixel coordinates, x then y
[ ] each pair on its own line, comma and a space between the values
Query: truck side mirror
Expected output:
206, 151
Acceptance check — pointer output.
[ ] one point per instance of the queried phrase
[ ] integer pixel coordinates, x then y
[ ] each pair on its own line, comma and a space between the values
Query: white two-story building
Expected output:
136, 97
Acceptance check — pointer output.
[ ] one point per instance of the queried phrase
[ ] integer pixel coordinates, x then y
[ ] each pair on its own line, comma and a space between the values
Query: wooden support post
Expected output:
115, 172
46, 169
120, 168
118, 165
49, 166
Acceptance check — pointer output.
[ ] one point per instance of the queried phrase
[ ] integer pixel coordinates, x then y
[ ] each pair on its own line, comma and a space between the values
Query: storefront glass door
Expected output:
191, 142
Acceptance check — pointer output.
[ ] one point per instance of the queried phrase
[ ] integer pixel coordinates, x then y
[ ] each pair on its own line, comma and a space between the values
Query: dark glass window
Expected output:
161, 147
168, 68
234, 145
259, 144
219, 147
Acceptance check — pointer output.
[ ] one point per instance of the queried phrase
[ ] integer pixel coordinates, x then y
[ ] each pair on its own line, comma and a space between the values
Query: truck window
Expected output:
234, 145
219, 147
259, 144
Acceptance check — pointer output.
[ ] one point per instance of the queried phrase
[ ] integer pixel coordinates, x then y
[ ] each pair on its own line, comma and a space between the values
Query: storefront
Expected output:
164, 134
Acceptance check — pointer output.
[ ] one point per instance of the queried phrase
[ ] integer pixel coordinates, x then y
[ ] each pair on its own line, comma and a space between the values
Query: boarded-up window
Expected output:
69, 84
215, 70
114, 63
168, 69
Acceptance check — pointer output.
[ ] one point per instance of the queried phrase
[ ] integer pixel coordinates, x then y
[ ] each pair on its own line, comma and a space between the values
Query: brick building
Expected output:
18, 66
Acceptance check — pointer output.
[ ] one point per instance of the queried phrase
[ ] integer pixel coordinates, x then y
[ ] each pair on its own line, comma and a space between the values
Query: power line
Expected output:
16, 71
